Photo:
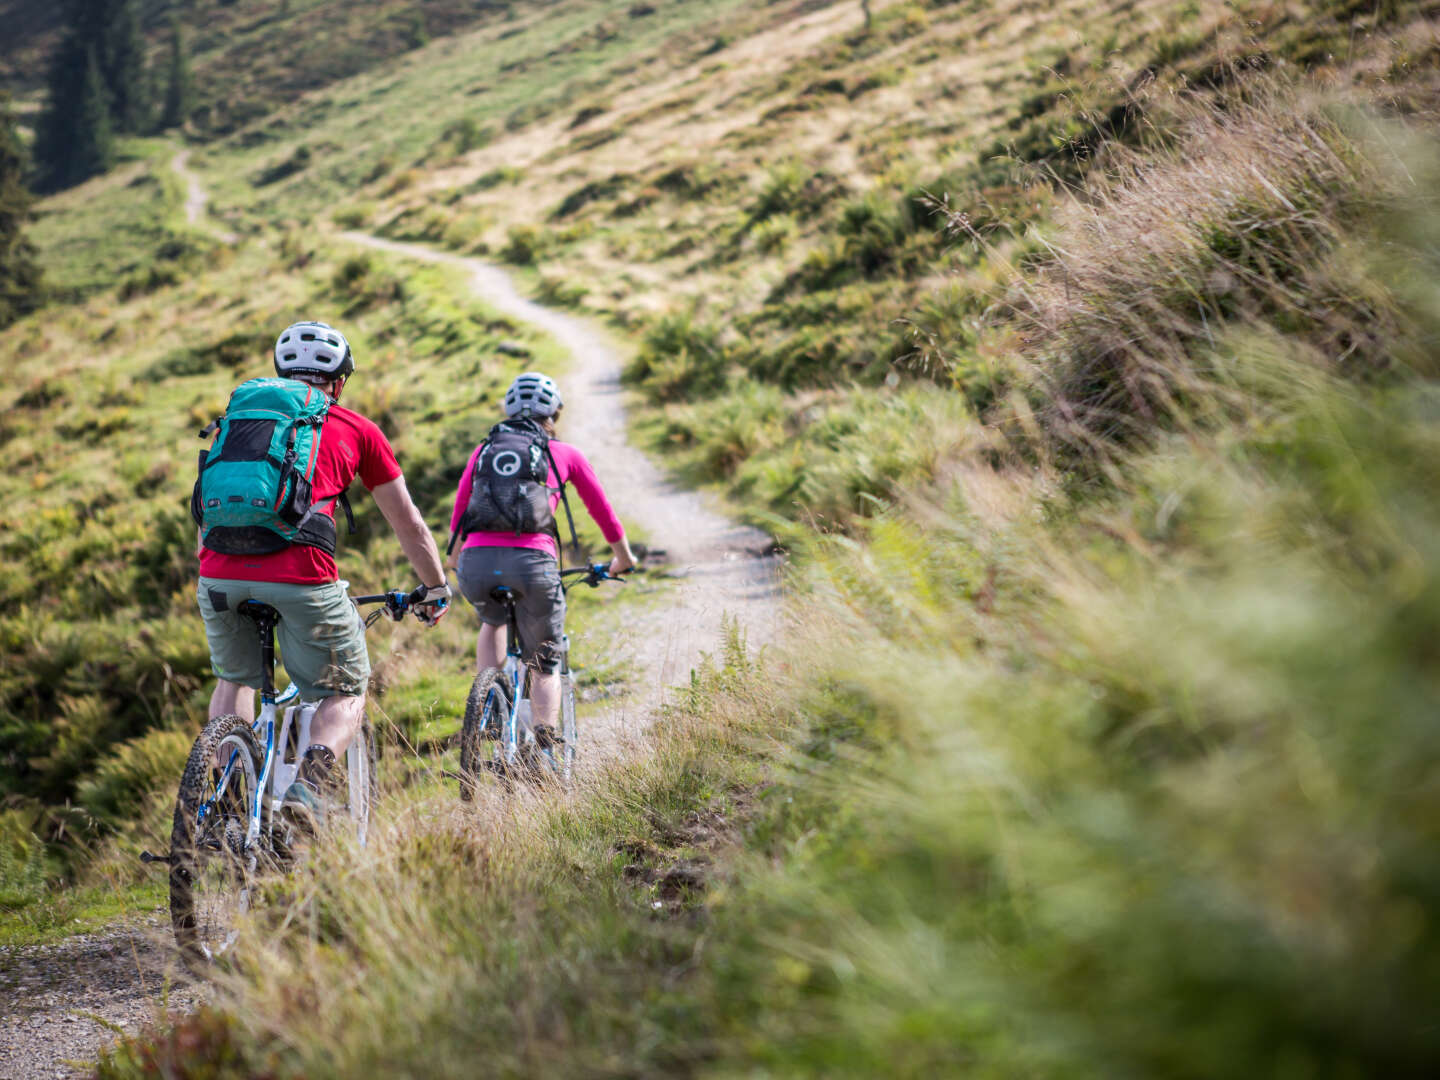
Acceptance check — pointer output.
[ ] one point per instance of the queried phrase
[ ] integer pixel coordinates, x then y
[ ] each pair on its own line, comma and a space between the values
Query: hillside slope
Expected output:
1083, 355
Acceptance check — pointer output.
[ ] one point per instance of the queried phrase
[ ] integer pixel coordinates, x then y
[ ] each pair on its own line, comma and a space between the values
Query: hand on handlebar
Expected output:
430, 603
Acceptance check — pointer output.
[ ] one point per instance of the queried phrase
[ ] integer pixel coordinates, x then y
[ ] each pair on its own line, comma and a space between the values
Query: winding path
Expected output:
196, 198
726, 570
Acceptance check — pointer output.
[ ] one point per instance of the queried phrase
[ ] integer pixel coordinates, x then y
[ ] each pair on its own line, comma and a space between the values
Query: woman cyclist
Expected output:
504, 518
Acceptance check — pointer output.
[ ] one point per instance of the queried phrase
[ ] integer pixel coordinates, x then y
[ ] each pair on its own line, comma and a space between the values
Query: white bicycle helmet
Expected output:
313, 350
532, 394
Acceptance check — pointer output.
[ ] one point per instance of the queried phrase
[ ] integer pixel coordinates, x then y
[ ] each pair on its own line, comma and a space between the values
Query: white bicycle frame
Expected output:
516, 729
277, 772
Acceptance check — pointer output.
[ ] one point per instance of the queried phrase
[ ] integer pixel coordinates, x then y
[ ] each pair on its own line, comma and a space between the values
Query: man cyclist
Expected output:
321, 635
508, 544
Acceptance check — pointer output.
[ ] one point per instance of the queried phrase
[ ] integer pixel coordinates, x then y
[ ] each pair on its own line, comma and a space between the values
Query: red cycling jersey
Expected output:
350, 446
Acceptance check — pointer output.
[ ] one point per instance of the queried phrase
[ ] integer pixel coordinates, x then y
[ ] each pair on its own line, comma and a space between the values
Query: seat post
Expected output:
265, 625
265, 618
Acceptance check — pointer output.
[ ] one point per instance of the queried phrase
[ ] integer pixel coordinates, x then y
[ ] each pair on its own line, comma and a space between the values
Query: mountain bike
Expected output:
495, 713
226, 833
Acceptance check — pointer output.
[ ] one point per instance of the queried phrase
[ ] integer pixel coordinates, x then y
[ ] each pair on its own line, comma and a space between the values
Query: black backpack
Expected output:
509, 490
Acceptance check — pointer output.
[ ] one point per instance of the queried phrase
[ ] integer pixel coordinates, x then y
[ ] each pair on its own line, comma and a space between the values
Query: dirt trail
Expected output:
725, 569
196, 198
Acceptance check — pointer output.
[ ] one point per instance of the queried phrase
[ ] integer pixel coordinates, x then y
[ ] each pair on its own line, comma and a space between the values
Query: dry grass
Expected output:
1241, 218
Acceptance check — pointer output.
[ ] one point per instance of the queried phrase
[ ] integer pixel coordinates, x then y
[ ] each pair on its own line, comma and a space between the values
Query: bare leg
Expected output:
544, 698
336, 722
230, 697
490, 647
227, 698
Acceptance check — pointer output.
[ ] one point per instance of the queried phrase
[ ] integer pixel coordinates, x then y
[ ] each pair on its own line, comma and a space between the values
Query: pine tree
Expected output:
179, 92
123, 66
70, 139
21, 287
92, 144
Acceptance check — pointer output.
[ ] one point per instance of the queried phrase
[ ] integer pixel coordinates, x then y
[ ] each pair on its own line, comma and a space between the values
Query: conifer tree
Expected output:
179, 89
123, 66
71, 141
92, 142
21, 287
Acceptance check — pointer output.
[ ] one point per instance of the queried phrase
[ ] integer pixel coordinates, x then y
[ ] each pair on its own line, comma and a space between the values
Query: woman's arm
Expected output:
577, 470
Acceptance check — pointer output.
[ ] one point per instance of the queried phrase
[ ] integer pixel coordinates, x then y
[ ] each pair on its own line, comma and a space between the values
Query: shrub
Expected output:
354, 216
504, 174
119, 784
556, 290
680, 357
590, 192
525, 244
298, 161
1236, 225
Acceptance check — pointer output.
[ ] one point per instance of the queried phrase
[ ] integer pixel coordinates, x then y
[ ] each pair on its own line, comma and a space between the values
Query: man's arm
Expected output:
414, 535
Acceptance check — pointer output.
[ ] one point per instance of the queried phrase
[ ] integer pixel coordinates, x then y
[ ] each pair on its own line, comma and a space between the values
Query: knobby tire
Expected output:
479, 708
209, 872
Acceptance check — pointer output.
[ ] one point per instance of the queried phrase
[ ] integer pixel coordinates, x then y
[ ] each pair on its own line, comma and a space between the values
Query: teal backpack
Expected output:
254, 492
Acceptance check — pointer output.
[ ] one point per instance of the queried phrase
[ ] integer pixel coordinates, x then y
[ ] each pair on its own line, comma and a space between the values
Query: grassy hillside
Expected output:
761, 196
1084, 356
249, 56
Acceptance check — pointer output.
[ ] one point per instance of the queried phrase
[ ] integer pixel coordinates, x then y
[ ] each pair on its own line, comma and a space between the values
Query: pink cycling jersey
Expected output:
574, 469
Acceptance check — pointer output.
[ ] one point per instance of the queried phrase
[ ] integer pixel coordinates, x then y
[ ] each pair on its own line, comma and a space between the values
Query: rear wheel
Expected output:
485, 710
212, 864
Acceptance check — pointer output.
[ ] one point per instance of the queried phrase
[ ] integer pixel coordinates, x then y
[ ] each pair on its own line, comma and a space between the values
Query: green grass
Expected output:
55, 915
127, 229
1085, 758
104, 400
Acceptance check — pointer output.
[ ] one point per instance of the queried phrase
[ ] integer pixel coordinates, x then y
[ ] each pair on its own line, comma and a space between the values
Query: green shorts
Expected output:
320, 638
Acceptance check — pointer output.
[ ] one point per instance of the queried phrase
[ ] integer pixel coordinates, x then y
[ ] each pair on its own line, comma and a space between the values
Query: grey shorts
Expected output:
534, 576
320, 638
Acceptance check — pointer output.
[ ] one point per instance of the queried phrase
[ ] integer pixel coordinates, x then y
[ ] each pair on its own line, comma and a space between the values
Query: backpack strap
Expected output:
343, 499
569, 517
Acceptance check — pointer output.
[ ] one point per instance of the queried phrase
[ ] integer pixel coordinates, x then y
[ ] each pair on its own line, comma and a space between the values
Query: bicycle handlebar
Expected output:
396, 602
593, 575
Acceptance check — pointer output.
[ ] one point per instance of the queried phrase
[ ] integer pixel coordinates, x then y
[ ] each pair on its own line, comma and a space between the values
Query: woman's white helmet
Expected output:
313, 351
532, 394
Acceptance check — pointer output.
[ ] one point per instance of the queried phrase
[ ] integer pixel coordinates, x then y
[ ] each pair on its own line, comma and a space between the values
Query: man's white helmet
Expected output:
532, 394
313, 351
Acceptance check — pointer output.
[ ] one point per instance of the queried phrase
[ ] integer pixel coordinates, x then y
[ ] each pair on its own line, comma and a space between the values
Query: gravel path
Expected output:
196, 199
60, 1003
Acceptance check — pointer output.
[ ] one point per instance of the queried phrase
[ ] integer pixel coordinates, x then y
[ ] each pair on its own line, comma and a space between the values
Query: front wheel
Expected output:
569, 731
485, 712
360, 784
213, 858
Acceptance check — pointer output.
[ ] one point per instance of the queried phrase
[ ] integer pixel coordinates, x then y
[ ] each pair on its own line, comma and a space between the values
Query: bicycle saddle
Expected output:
501, 593
254, 609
